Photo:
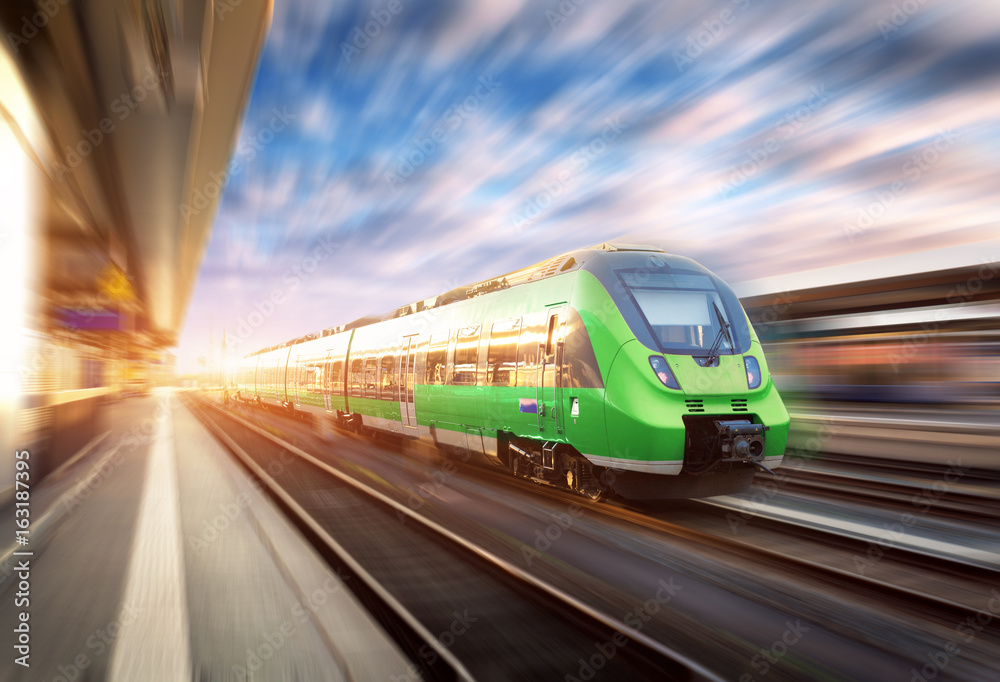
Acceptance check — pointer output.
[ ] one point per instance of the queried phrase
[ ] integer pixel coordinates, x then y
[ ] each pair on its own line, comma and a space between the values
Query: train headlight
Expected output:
753, 371
662, 371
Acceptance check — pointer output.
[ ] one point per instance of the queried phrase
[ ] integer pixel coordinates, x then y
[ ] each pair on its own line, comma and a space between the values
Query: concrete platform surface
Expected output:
155, 557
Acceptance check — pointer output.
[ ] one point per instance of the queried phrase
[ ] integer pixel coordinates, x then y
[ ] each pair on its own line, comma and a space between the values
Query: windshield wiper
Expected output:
713, 352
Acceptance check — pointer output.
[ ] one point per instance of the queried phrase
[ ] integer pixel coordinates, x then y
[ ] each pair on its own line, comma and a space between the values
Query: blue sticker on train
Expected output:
529, 405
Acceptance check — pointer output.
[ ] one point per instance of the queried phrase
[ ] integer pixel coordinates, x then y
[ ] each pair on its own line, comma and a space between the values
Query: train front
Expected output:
690, 407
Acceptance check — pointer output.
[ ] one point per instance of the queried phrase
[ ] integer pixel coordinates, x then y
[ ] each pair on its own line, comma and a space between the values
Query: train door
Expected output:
550, 357
407, 369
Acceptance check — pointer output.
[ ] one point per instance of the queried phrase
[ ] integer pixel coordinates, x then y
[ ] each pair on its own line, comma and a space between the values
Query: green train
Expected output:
616, 369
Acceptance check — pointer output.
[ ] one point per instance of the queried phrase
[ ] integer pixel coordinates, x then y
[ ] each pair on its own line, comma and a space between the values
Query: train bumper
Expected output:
714, 442
657, 434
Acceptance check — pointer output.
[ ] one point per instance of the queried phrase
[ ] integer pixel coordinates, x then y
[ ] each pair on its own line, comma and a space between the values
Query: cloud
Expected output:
741, 113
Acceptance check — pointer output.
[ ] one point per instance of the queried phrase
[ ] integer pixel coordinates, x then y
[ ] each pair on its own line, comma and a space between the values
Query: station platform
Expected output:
154, 556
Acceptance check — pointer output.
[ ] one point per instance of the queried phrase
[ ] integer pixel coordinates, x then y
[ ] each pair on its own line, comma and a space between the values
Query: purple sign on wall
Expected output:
89, 319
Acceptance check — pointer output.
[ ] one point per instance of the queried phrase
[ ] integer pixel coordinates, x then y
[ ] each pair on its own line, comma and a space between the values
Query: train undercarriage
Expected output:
720, 458
721, 467
558, 465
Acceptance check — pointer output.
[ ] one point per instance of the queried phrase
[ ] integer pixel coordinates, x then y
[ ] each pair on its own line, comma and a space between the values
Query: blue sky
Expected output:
457, 140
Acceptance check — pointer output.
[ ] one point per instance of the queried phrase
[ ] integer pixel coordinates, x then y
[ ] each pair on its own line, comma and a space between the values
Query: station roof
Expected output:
141, 103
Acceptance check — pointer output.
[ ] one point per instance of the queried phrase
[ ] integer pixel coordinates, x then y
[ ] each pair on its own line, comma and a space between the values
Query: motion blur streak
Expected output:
899, 349
758, 138
17, 224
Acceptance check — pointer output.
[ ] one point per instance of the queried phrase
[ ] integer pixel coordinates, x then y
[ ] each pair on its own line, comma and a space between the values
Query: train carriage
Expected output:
616, 368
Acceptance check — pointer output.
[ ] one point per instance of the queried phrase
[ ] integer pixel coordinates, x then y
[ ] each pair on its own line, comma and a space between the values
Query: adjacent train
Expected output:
617, 369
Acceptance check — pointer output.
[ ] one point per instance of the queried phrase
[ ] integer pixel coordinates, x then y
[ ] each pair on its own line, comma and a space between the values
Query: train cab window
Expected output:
357, 378
387, 378
682, 311
466, 356
371, 378
437, 359
501, 358
337, 377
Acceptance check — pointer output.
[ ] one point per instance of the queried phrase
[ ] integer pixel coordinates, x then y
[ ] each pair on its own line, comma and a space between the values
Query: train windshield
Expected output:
677, 308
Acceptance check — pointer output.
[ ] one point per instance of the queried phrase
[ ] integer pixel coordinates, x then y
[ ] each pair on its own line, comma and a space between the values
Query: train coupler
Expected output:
741, 441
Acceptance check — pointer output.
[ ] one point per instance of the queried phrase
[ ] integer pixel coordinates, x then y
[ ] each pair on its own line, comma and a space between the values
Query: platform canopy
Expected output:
141, 103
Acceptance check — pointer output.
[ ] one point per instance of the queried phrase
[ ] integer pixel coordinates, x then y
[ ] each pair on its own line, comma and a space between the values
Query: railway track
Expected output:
879, 565
856, 563
978, 575
830, 558
459, 610
954, 491
863, 568
909, 587
852, 561
795, 571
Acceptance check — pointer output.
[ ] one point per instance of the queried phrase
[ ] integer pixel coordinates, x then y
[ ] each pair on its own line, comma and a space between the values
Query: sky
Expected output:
393, 150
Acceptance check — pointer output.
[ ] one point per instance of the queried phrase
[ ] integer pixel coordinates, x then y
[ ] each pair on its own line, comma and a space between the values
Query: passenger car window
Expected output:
466, 356
501, 358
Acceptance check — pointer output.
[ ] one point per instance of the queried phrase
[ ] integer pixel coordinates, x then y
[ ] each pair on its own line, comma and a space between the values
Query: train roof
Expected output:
566, 262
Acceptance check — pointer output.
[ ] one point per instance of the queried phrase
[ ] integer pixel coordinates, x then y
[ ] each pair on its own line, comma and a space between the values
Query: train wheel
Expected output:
574, 481
588, 484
